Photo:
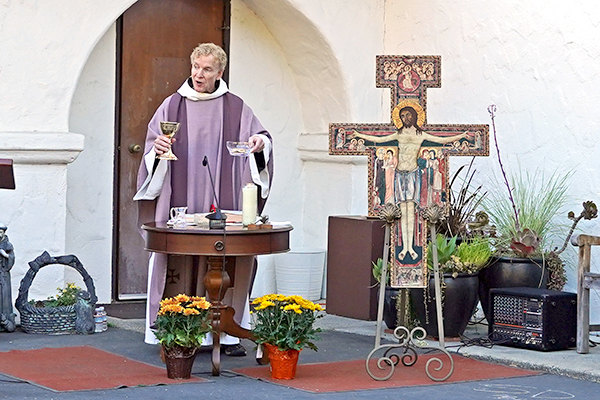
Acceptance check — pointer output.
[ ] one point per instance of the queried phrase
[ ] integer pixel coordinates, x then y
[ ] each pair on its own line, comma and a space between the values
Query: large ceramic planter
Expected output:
459, 301
506, 272
179, 361
283, 362
396, 311
390, 313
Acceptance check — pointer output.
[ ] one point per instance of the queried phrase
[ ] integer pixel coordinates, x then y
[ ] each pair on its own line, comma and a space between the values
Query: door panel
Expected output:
155, 39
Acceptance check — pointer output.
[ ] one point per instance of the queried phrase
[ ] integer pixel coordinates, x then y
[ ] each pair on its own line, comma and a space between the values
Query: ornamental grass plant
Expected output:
183, 321
463, 204
285, 321
524, 216
525, 220
537, 201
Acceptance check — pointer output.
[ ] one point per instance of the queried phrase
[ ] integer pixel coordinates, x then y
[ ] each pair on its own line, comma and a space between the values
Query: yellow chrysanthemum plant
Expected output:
285, 321
182, 321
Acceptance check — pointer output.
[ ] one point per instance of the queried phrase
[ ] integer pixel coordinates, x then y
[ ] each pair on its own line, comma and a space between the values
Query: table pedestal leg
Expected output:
216, 282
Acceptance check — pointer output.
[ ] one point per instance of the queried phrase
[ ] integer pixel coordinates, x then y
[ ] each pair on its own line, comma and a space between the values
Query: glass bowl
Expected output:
239, 148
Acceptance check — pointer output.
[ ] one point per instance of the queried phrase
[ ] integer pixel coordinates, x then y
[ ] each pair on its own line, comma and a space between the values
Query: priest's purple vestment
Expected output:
207, 120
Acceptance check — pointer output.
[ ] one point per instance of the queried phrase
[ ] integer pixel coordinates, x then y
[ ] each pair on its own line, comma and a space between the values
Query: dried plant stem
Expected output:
564, 246
590, 211
492, 111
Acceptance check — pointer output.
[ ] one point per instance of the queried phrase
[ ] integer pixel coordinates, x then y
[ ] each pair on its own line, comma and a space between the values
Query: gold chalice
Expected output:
169, 129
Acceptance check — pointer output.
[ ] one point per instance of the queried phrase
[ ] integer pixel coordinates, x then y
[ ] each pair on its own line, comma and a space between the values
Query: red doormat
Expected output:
352, 375
82, 368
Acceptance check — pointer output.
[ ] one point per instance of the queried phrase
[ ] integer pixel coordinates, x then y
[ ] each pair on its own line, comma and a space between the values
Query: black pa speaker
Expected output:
532, 318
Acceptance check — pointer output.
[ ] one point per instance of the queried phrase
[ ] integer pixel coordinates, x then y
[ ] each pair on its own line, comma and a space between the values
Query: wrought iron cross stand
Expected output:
409, 340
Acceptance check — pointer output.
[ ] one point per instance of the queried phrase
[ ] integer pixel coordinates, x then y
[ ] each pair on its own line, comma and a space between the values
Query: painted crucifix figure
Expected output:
408, 159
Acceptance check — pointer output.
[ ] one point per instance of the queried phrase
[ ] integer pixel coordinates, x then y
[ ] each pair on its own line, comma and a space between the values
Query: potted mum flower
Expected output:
182, 322
285, 325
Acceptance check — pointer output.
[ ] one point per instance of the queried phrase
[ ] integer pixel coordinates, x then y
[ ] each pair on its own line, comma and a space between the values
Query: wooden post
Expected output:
585, 281
583, 301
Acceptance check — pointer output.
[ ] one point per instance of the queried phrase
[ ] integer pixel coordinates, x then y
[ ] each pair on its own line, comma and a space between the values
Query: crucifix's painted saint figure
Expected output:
408, 160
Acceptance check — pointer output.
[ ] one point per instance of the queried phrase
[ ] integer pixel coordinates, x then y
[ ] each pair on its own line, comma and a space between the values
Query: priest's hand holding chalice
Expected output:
162, 144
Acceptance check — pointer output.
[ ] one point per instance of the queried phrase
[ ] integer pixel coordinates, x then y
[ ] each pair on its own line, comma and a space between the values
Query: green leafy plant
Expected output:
285, 321
445, 249
66, 297
475, 252
470, 256
377, 266
182, 321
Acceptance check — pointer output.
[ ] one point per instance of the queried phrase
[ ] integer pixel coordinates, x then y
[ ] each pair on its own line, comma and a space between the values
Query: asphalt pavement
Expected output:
565, 374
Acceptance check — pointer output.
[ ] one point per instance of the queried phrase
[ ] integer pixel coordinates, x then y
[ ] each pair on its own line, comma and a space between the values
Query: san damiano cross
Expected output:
408, 158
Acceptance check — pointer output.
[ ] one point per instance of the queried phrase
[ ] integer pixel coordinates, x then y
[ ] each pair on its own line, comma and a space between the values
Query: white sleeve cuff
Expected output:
153, 184
261, 178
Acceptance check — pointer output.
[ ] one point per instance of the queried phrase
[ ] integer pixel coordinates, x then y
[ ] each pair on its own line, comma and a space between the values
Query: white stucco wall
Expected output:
260, 74
44, 47
90, 177
537, 61
300, 64
318, 80
59, 35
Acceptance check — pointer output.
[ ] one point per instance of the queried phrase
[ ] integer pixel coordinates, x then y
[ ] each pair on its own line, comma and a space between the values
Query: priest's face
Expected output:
205, 72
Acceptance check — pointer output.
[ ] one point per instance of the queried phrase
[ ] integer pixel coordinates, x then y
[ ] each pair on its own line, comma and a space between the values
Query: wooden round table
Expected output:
216, 244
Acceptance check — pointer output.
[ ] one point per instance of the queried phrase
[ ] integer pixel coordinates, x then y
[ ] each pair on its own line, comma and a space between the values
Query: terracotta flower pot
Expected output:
179, 361
283, 362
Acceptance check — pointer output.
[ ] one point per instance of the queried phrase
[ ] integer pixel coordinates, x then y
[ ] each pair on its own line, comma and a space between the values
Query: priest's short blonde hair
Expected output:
205, 49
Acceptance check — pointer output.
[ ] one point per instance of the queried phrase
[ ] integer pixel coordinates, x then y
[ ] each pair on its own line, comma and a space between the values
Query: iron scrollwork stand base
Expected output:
406, 352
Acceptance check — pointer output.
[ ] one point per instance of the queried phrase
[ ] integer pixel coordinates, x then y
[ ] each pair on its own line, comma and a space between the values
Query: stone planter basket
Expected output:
50, 320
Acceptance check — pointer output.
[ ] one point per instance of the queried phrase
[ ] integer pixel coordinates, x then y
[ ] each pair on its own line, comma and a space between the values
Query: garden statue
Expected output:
7, 260
84, 313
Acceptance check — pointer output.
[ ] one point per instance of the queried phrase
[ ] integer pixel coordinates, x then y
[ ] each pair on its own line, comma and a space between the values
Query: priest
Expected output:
210, 116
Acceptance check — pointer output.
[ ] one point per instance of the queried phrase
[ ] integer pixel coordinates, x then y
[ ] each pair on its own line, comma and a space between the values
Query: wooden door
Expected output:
155, 39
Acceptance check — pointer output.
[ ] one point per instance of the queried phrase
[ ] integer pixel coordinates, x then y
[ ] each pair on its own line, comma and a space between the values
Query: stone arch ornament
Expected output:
50, 320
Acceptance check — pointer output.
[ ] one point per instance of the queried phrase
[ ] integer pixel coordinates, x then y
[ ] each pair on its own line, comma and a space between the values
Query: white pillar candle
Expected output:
249, 204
